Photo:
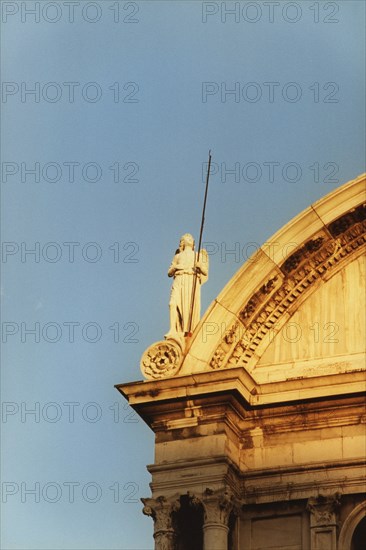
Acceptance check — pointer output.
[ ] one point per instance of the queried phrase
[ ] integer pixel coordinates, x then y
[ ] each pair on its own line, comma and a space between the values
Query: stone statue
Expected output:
183, 268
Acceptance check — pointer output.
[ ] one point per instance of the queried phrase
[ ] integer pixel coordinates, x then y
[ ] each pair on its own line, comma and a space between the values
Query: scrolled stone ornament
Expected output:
161, 360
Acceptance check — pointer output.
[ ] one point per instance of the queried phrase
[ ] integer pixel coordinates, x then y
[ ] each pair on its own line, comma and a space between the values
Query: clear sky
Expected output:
101, 174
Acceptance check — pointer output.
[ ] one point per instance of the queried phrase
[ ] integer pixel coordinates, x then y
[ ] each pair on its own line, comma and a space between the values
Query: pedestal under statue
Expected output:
185, 268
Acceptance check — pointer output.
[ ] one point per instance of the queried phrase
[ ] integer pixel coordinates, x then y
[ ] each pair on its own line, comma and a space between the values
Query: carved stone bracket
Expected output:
161, 360
162, 511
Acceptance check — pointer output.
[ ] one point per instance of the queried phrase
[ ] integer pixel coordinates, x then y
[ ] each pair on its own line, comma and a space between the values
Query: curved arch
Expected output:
349, 526
264, 293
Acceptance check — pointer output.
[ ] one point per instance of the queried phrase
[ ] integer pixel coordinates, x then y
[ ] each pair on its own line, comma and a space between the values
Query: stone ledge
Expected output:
238, 381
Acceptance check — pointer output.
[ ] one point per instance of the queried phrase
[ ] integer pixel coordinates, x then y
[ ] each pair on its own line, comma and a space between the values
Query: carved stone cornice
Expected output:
318, 258
323, 510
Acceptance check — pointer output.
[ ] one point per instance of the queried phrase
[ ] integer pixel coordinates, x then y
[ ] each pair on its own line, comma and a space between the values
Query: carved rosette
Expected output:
161, 360
163, 512
300, 272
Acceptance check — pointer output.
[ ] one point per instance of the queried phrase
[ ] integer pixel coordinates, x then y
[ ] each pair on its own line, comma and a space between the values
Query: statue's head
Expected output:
186, 240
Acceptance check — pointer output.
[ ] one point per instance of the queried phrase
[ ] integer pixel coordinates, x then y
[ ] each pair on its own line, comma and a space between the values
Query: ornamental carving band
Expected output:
299, 272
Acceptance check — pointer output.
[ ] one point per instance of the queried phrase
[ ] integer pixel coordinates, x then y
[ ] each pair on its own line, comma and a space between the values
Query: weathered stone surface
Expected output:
262, 433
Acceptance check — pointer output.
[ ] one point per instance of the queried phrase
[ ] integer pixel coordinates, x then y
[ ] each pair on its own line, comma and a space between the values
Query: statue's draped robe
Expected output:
181, 294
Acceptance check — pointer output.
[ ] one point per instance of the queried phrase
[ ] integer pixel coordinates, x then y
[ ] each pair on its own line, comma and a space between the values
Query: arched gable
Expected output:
349, 526
313, 264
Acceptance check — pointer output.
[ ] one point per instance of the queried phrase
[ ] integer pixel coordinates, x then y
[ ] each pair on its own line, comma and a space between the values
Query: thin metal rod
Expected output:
199, 247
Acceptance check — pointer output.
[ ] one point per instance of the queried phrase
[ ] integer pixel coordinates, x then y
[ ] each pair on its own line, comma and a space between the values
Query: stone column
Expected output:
162, 512
217, 506
323, 522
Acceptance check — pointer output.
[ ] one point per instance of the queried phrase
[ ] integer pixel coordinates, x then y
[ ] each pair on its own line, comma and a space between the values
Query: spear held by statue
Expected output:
193, 296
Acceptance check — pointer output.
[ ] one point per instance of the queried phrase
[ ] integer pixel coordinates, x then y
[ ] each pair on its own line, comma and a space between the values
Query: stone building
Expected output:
260, 421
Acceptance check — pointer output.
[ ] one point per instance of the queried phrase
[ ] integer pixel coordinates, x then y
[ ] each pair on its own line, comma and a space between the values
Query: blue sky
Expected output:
128, 98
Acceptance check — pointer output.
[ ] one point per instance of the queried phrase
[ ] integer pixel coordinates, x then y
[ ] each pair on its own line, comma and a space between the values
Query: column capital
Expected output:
162, 510
323, 510
218, 505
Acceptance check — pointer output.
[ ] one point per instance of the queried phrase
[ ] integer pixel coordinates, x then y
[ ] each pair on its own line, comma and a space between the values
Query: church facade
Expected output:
259, 421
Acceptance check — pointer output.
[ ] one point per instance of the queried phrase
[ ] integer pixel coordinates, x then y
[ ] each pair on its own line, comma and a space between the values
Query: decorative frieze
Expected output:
352, 218
279, 295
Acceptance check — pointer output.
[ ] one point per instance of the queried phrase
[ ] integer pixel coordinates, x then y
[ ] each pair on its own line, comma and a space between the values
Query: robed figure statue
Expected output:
185, 309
